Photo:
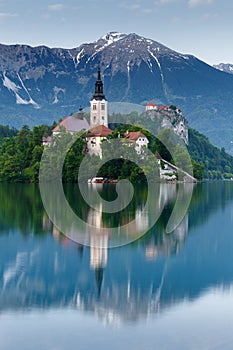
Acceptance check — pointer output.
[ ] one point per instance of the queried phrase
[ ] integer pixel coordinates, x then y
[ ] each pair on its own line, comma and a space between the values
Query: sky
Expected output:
202, 28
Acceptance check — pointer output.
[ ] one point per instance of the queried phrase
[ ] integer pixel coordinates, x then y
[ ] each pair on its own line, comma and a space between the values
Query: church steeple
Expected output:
99, 104
99, 93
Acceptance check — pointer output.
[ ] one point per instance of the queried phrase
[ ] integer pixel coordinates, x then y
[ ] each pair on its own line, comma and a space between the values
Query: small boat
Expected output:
95, 180
98, 180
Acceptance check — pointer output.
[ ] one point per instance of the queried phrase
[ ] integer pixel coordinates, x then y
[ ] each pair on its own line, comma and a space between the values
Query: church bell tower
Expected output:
98, 105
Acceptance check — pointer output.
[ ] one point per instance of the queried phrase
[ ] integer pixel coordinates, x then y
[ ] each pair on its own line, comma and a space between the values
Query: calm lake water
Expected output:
163, 291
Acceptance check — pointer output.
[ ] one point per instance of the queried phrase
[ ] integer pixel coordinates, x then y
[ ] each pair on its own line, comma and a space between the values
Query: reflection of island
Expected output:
129, 283
167, 244
135, 219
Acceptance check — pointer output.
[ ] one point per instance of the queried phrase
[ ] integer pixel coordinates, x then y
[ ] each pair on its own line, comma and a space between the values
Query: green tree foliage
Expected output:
73, 160
218, 164
121, 161
198, 170
130, 165
20, 154
173, 107
6, 131
182, 160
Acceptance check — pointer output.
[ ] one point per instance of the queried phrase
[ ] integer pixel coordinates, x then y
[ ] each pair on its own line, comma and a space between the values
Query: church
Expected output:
98, 128
99, 124
98, 119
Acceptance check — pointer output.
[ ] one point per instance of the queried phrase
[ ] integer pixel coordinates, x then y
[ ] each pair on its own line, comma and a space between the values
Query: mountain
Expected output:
41, 84
225, 67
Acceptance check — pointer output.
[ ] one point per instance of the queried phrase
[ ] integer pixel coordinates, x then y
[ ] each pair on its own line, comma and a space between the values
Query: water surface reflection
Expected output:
40, 269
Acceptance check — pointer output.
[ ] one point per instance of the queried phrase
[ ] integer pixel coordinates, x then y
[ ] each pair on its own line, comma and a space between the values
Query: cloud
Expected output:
210, 15
6, 15
56, 7
46, 16
147, 11
137, 7
194, 3
176, 20
165, 2
191, 3
132, 7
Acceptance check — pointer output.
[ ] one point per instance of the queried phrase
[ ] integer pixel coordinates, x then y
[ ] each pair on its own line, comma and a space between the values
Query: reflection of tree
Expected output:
107, 192
207, 198
99, 278
159, 243
22, 208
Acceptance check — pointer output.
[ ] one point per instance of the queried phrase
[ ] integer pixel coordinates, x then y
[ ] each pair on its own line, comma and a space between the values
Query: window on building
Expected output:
94, 107
102, 117
102, 107
94, 118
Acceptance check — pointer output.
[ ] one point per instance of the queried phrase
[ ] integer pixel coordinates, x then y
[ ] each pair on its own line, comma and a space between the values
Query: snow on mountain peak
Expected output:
225, 67
112, 37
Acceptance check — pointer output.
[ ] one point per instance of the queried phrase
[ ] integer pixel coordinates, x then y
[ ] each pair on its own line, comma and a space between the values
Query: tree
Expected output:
198, 170
165, 143
173, 107
182, 160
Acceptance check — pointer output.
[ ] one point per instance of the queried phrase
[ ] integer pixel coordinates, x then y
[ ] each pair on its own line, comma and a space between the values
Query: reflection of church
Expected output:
98, 239
98, 236
98, 244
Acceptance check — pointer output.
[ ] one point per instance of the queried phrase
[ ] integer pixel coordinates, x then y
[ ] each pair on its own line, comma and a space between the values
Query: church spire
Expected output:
99, 76
99, 94
99, 104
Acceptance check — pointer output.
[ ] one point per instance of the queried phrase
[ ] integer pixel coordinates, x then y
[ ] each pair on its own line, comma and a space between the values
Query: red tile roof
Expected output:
99, 130
134, 135
163, 107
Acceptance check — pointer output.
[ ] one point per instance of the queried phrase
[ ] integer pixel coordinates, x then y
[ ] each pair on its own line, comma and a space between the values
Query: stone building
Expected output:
94, 139
136, 138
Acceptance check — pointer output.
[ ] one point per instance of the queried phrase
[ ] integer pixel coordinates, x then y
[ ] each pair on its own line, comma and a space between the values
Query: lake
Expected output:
159, 290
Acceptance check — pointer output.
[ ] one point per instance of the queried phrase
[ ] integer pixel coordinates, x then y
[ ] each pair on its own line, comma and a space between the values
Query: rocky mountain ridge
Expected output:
225, 67
167, 118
